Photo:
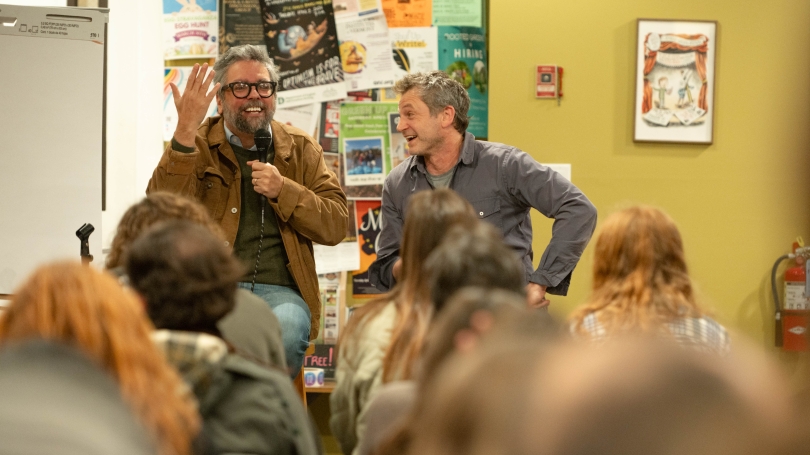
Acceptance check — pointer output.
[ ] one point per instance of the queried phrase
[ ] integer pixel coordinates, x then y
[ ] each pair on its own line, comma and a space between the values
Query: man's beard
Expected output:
250, 126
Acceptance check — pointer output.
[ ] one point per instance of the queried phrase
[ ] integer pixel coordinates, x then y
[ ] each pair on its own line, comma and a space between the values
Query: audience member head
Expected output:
186, 275
430, 215
88, 309
472, 256
636, 397
154, 208
640, 278
438, 90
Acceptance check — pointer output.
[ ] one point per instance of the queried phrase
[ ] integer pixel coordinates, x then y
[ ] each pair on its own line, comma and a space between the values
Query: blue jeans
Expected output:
293, 316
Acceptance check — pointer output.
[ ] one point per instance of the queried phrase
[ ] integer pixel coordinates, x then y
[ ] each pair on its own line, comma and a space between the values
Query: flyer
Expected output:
352, 9
179, 76
304, 117
240, 22
462, 55
409, 13
458, 12
416, 49
365, 53
368, 219
302, 40
345, 256
364, 148
399, 146
190, 29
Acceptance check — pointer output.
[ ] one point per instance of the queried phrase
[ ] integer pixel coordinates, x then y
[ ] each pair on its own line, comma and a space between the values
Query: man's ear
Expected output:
447, 116
219, 103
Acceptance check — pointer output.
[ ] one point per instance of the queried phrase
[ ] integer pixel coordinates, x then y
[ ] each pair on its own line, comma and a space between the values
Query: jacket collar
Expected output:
282, 141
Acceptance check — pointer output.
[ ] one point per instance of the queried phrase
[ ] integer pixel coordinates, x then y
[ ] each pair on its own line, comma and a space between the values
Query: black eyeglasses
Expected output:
242, 89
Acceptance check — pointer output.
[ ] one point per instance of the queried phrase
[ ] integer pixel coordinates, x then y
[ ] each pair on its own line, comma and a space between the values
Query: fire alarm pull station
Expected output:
549, 82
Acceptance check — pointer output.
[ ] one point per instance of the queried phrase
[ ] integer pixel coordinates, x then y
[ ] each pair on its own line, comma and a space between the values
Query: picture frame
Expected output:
675, 81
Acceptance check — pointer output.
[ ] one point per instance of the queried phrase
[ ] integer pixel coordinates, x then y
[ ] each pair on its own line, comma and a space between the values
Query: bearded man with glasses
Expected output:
216, 162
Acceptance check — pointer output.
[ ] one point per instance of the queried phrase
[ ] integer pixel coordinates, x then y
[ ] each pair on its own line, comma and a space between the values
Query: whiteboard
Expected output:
52, 133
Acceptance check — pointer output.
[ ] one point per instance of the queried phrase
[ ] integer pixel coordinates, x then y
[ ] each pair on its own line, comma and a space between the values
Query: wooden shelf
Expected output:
328, 387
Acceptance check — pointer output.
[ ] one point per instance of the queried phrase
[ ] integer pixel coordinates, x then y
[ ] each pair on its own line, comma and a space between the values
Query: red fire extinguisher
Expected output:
793, 316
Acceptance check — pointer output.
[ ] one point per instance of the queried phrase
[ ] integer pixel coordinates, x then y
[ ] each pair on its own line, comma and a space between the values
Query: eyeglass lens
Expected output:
242, 89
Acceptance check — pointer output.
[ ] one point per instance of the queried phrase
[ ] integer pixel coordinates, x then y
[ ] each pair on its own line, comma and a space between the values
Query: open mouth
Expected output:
410, 138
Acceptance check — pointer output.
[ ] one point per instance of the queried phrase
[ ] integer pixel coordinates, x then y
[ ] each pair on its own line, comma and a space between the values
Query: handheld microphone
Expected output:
263, 140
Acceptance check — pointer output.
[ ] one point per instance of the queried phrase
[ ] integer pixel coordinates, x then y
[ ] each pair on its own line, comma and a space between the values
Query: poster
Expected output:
409, 13
462, 56
329, 128
364, 126
331, 288
304, 117
365, 53
302, 40
190, 29
179, 76
416, 49
368, 219
352, 9
240, 22
345, 255
458, 12
399, 146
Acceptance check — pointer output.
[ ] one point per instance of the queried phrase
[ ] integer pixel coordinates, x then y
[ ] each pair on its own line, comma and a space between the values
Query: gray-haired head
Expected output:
239, 54
438, 90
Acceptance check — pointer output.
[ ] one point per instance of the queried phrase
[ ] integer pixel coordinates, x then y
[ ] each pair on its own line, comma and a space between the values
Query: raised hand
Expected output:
193, 104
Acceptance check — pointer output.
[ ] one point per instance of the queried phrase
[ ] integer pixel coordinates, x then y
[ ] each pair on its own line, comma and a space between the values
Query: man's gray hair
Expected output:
438, 90
247, 52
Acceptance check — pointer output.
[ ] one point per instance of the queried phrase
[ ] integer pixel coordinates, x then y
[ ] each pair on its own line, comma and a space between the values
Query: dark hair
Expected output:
154, 208
472, 256
186, 274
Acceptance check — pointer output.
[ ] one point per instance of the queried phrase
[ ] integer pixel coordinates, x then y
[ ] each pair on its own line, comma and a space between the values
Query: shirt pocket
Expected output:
489, 210
212, 191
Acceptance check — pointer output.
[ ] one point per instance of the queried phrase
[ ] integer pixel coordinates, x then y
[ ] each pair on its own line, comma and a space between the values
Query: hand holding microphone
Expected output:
266, 178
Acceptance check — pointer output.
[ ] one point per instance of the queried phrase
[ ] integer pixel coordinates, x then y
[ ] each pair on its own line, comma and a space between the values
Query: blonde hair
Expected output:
640, 278
82, 307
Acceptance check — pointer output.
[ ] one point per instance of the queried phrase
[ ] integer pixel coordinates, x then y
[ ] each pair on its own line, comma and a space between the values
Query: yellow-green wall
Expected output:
739, 202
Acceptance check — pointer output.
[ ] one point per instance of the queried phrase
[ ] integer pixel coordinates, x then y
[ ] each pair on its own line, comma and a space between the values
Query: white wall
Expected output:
134, 104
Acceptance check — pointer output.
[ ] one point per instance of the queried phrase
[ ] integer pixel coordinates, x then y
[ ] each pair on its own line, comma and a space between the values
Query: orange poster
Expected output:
408, 13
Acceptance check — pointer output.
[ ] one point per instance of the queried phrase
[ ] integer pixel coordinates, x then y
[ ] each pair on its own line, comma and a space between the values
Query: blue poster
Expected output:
462, 55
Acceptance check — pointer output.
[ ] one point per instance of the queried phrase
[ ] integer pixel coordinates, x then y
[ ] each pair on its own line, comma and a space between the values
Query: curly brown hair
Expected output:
156, 207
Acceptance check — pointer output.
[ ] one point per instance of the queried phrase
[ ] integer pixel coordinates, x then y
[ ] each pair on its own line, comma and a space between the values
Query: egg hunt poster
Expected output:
302, 40
462, 55
190, 29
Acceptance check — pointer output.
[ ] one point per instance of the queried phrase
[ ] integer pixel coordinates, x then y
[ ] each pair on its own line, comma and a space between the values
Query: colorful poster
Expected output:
190, 29
363, 130
365, 52
352, 9
179, 76
407, 13
416, 49
369, 223
302, 40
462, 55
458, 12
240, 22
329, 127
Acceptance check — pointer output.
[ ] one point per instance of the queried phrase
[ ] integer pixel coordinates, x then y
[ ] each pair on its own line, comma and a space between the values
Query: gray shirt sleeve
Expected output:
380, 271
555, 197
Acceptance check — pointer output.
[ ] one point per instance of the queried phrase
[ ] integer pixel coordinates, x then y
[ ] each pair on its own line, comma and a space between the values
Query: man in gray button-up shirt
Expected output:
501, 182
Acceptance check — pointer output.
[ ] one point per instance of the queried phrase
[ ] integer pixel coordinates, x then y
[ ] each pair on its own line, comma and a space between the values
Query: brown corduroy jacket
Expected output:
310, 208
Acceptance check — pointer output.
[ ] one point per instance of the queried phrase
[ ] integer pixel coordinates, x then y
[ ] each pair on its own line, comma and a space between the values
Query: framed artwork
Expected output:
675, 78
